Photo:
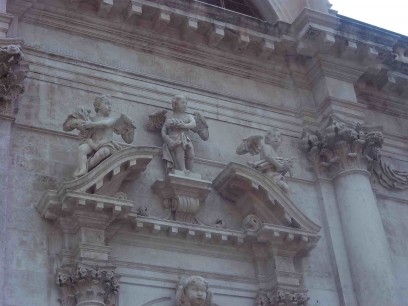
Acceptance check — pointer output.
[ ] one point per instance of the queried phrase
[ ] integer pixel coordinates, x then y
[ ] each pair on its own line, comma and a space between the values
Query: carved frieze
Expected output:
341, 146
13, 71
87, 286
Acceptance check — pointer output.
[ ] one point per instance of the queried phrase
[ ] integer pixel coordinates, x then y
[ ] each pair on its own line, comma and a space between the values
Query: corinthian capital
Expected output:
341, 146
87, 286
12, 74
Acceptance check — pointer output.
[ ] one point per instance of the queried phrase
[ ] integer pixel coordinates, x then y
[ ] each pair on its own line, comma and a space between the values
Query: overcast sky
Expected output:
389, 14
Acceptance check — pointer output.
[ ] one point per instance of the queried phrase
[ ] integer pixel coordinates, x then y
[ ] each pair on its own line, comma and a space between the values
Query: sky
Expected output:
388, 14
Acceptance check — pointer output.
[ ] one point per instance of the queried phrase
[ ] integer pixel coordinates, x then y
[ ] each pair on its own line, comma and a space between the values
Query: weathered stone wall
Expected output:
240, 97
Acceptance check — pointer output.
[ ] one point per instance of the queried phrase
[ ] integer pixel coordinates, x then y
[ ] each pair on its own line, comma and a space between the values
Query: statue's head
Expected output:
273, 138
179, 103
193, 291
102, 104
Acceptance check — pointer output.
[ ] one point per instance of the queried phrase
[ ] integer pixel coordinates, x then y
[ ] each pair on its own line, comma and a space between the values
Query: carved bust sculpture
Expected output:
193, 291
270, 163
96, 133
178, 150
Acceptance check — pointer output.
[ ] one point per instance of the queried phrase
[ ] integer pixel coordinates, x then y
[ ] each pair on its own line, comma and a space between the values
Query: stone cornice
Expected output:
295, 240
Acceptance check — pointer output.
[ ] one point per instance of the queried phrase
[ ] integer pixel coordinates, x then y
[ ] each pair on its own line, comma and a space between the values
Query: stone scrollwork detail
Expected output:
87, 285
270, 163
178, 150
342, 146
96, 133
390, 177
194, 291
282, 298
12, 74
251, 223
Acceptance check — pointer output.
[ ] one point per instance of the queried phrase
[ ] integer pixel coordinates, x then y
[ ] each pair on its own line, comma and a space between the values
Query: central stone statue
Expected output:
178, 150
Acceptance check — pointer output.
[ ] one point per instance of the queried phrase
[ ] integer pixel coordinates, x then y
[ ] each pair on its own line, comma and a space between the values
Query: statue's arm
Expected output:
270, 157
192, 124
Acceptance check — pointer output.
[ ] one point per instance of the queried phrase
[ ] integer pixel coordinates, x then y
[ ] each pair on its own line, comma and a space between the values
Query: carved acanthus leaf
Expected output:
282, 298
12, 74
341, 146
86, 283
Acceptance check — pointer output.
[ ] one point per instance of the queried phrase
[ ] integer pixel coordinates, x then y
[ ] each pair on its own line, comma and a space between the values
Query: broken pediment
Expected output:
99, 189
264, 205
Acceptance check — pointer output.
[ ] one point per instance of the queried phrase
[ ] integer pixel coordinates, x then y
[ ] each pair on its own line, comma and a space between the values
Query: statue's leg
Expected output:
99, 156
190, 158
83, 151
179, 158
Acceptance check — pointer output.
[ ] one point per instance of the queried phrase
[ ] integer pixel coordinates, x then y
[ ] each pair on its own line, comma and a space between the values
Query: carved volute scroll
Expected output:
13, 71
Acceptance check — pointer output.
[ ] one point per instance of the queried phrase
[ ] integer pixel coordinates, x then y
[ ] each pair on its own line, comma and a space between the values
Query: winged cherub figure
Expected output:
178, 150
270, 163
96, 133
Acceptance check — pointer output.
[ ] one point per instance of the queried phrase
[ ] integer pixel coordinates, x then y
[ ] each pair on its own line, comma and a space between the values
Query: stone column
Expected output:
13, 72
343, 151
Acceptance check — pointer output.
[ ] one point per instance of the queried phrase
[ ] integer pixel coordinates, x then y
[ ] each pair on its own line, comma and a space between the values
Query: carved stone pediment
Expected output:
255, 194
84, 209
108, 176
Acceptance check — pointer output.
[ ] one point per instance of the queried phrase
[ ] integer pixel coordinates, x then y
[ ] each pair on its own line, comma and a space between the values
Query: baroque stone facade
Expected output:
130, 135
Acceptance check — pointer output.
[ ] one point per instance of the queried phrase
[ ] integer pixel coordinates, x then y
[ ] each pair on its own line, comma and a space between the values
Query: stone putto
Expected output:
270, 163
96, 133
178, 150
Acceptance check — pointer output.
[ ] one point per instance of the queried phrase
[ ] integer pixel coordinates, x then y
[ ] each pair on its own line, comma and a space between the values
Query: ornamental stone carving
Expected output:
341, 146
183, 194
178, 150
270, 163
388, 176
194, 291
96, 133
282, 298
87, 286
12, 74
